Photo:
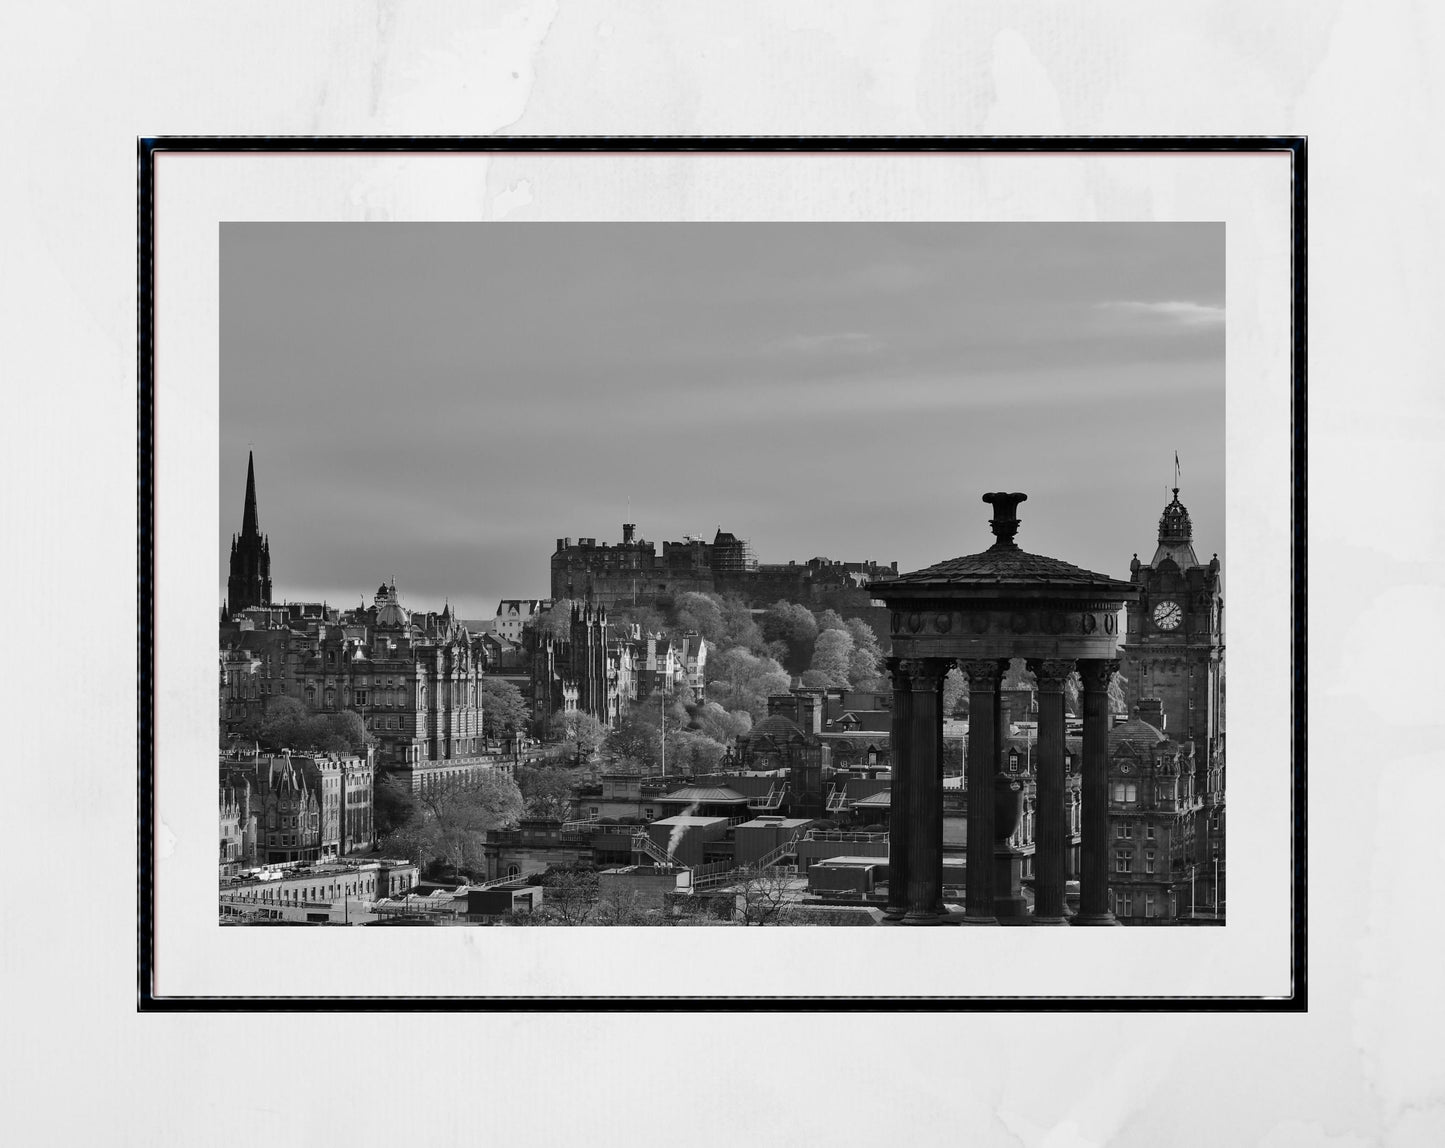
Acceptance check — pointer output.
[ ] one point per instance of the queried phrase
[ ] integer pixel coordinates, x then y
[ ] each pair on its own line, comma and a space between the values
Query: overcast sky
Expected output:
439, 403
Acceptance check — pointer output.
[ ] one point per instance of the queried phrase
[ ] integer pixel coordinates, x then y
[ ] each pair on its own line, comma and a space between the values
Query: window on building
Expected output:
1125, 793
1149, 832
1123, 830
1149, 861
1150, 910
1123, 862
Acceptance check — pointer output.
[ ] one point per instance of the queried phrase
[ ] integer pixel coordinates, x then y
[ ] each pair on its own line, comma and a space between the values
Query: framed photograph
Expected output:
621, 531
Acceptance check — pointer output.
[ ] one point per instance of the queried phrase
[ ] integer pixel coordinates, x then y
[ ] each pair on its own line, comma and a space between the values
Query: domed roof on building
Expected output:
1176, 536
1004, 562
1134, 732
392, 616
996, 565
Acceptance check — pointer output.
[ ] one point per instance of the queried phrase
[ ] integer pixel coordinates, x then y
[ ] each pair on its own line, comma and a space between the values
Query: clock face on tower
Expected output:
1168, 615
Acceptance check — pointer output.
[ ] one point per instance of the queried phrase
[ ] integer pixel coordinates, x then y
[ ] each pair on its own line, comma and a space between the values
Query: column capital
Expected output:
1051, 673
1096, 673
983, 673
924, 674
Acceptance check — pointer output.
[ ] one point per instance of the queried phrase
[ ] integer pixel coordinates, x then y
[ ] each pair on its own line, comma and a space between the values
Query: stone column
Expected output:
1049, 829
1094, 882
899, 813
924, 880
982, 763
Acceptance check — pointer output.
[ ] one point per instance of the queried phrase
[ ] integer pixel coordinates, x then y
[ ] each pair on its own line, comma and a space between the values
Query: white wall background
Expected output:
81, 81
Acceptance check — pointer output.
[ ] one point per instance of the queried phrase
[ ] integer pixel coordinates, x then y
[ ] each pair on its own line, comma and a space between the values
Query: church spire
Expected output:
249, 524
249, 583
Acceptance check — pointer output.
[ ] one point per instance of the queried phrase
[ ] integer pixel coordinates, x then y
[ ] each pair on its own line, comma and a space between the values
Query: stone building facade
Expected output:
595, 671
1153, 814
1173, 658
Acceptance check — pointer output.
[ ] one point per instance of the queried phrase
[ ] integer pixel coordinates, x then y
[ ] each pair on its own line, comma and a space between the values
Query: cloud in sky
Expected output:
440, 402
1174, 311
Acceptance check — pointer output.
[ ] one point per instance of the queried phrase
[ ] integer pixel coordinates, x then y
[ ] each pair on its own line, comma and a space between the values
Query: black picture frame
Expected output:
149, 148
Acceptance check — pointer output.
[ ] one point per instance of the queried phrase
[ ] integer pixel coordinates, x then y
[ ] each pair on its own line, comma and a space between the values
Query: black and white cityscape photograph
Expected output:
722, 574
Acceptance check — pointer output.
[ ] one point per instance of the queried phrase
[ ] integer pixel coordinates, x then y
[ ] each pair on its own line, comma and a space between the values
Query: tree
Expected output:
344, 732
646, 617
832, 654
547, 790
830, 619
955, 692
624, 907
865, 663
450, 822
504, 710
577, 735
739, 626
1118, 692
690, 751
555, 621
392, 805
795, 627
283, 725
638, 739
718, 723
287, 723
701, 613
743, 681
767, 896
570, 895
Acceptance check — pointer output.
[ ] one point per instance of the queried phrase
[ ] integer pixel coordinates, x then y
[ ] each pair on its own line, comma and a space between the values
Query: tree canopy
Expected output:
504, 710
547, 790
742, 680
287, 723
450, 823
794, 627
832, 654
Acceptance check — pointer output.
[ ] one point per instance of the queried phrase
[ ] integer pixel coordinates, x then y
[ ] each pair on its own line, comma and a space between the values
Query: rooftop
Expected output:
1004, 562
711, 794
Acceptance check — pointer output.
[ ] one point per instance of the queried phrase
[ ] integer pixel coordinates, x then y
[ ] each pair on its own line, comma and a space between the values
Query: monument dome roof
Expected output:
1004, 563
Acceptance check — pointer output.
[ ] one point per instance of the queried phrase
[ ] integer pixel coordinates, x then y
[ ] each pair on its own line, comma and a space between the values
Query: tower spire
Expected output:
249, 524
249, 583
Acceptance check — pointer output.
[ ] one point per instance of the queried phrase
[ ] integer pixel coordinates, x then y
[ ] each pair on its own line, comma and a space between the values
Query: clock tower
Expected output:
1174, 638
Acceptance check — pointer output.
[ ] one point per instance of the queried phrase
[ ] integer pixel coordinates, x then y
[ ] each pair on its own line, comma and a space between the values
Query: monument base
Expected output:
1008, 872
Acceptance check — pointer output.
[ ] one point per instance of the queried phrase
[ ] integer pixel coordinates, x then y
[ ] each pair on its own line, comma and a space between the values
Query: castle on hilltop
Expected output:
633, 572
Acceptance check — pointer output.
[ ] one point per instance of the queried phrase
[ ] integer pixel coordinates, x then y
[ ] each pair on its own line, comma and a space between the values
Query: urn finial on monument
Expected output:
1005, 520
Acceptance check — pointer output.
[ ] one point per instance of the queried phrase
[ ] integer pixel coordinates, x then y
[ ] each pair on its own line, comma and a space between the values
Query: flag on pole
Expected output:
1176, 468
